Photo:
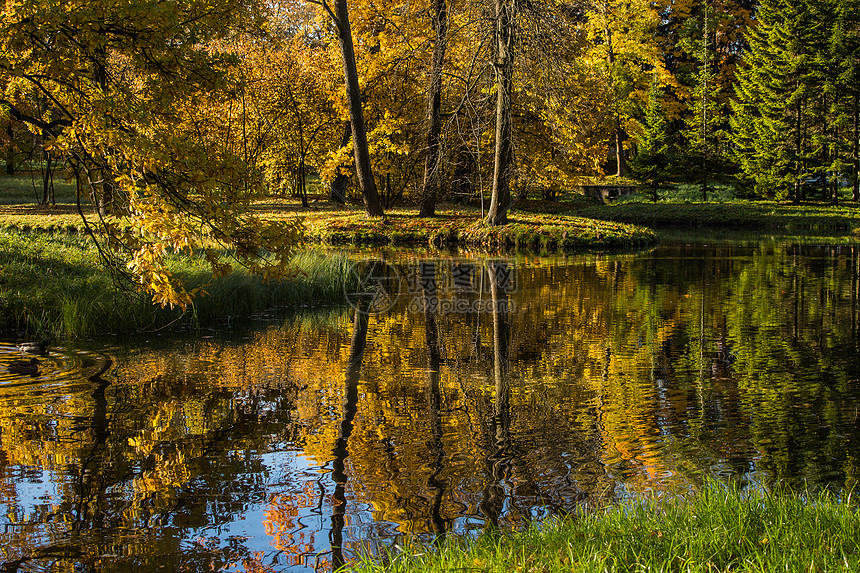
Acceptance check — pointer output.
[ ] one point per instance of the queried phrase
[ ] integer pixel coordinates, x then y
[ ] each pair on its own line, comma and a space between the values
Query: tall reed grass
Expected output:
53, 286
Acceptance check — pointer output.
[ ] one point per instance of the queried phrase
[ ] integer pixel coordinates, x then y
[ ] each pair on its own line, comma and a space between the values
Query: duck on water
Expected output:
34, 347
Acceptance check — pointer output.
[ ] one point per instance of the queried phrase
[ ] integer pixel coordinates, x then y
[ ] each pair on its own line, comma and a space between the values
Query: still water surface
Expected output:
491, 392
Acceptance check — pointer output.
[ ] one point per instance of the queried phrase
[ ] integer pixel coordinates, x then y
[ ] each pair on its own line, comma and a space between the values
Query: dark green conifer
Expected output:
773, 120
652, 164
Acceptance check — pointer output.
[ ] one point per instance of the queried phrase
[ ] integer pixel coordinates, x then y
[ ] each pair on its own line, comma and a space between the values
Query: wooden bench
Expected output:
607, 193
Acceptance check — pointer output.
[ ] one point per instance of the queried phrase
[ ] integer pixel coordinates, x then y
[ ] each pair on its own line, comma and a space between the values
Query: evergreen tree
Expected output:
652, 164
773, 120
704, 125
845, 57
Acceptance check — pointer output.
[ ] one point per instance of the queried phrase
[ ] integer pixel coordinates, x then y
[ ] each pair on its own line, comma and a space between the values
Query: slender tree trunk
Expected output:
48, 177
106, 200
302, 175
303, 189
855, 152
369, 193
430, 185
338, 186
621, 169
500, 201
798, 188
10, 151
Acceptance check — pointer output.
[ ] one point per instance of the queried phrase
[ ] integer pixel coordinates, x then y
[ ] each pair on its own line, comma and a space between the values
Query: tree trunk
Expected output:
434, 108
500, 201
855, 152
621, 169
302, 175
372, 205
302, 184
337, 192
47, 178
10, 151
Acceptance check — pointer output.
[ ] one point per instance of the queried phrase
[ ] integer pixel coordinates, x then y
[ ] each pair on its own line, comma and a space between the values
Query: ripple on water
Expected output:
60, 374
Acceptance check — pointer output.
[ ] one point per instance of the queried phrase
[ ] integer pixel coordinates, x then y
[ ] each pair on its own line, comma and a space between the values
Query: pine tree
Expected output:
652, 164
773, 119
703, 134
845, 59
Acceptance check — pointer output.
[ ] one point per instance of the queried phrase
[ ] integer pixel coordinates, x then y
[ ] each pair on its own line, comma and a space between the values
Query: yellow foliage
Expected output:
130, 85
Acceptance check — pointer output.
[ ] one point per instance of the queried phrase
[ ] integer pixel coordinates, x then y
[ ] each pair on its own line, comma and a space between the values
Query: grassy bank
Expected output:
454, 226
52, 285
769, 216
718, 530
464, 228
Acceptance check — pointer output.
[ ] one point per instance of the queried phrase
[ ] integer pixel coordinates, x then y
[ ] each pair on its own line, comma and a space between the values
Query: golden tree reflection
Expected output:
478, 404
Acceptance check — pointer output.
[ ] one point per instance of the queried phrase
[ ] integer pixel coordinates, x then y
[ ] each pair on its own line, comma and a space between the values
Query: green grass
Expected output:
717, 193
721, 529
462, 226
52, 285
25, 187
763, 215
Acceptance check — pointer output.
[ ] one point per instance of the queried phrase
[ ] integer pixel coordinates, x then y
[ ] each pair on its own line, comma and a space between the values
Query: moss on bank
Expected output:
718, 530
452, 227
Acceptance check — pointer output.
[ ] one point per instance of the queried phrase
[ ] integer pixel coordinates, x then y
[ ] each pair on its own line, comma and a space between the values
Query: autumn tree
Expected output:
538, 35
432, 160
339, 14
504, 28
560, 106
289, 85
704, 124
623, 53
124, 79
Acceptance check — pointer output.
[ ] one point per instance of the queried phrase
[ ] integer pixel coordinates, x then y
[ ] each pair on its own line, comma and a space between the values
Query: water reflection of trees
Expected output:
127, 468
648, 371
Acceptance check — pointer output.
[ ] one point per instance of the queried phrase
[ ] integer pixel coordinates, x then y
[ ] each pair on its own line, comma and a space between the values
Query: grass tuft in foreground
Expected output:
719, 530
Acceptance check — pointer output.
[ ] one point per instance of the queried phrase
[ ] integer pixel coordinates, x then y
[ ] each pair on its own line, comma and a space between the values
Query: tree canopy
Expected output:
124, 91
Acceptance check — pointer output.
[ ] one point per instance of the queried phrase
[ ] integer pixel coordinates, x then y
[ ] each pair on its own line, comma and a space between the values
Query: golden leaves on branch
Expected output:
126, 89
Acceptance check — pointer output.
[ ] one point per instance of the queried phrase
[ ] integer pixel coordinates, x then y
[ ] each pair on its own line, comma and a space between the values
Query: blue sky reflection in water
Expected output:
492, 391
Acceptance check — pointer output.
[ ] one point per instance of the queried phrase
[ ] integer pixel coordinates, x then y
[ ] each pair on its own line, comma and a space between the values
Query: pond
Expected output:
452, 394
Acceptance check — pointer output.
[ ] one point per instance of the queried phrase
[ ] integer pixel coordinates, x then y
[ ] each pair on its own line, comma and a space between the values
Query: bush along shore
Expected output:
719, 530
53, 285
